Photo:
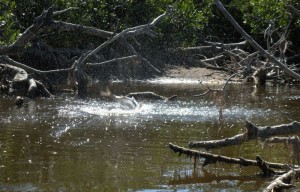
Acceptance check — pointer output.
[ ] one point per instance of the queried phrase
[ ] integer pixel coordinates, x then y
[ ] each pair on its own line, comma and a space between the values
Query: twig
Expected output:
30, 69
65, 10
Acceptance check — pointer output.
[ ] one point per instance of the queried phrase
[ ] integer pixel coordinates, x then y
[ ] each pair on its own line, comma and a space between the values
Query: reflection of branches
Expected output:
293, 143
209, 177
216, 90
218, 96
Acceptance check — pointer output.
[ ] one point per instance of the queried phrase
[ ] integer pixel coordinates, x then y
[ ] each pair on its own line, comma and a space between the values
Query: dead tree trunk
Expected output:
254, 43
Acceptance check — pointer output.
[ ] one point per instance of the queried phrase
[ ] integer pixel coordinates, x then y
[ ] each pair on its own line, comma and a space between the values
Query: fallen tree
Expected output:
19, 83
78, 78
254, 43
287, 172
242, 61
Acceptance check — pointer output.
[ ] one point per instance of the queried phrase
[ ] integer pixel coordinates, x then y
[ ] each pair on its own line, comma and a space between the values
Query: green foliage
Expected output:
259, 14
8, 26
192, 20
183, 26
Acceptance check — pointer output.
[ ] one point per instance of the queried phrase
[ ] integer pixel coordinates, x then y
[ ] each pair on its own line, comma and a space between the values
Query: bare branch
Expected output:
293, 10
252, 132
65, 10
133, 31
30, 69
235, 140
114, 60
65, 26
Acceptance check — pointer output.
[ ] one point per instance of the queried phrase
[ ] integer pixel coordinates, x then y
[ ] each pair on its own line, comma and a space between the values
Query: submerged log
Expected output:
235, 140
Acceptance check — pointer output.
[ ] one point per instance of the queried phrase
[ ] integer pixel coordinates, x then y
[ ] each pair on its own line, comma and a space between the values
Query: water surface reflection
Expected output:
66, 144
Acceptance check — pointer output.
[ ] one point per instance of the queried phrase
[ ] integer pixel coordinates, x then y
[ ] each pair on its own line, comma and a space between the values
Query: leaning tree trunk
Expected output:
21, 84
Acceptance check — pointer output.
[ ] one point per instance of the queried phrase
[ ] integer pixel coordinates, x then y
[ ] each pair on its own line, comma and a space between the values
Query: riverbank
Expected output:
196, 74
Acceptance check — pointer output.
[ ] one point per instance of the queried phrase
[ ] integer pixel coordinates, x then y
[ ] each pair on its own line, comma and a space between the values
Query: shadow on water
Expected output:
65, 144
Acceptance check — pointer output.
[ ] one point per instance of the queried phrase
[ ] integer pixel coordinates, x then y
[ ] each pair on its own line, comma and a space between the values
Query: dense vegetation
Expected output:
192, 22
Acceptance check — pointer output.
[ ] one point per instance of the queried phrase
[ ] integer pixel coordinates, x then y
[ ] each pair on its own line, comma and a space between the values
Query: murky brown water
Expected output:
65, 144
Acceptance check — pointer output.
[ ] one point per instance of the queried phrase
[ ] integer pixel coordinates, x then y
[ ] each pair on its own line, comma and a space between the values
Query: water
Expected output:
66, 144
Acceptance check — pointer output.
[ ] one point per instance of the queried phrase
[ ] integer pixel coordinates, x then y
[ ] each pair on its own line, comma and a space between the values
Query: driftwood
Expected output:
214, 48
289, 172
251, 132
205, 50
